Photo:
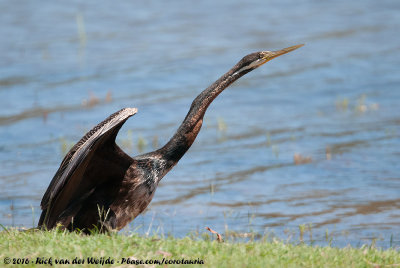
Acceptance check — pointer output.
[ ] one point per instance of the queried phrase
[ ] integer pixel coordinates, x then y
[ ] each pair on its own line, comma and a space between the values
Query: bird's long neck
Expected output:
187, 132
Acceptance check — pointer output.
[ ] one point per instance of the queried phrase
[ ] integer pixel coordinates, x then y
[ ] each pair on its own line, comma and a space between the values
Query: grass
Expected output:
39, 246
359, 105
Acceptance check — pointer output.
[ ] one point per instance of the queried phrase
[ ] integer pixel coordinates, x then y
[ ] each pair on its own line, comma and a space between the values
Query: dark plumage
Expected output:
97, 184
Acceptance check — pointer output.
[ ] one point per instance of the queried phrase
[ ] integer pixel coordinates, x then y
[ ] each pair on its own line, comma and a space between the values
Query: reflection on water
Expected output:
311, 138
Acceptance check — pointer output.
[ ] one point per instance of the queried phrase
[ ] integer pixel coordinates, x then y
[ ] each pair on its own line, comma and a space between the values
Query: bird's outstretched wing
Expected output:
66, 184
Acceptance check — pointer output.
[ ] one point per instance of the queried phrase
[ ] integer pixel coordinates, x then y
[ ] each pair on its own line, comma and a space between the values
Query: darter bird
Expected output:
99, 186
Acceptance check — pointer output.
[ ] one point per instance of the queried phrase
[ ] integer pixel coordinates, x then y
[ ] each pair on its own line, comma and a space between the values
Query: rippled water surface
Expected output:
312, 137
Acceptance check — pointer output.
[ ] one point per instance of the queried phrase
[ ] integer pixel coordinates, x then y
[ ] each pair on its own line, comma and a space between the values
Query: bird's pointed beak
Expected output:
269, 55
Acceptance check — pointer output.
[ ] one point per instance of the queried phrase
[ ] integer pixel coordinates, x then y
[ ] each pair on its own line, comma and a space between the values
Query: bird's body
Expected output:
98, 185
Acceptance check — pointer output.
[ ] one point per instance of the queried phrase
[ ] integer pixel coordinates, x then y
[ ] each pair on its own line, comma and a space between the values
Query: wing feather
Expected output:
70, 173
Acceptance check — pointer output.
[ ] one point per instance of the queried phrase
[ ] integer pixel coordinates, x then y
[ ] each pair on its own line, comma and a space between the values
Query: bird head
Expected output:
256, 59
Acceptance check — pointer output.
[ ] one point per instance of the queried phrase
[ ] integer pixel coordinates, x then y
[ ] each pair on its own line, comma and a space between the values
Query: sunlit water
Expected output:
64, 67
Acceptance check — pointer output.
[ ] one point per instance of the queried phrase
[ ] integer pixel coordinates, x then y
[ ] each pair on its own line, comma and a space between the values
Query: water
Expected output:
64, 67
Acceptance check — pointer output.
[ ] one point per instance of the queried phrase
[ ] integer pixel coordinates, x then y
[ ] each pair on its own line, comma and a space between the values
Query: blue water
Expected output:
64, 67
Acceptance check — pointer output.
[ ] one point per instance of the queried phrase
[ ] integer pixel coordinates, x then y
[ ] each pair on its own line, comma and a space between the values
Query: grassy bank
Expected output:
40, 246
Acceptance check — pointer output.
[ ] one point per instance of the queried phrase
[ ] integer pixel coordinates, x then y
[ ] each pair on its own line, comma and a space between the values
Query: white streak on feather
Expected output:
254, 64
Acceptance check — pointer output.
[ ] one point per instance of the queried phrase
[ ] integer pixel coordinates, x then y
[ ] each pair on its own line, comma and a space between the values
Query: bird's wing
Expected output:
68, 177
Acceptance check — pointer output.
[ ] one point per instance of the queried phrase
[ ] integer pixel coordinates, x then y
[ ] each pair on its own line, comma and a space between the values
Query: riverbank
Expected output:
56, 248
